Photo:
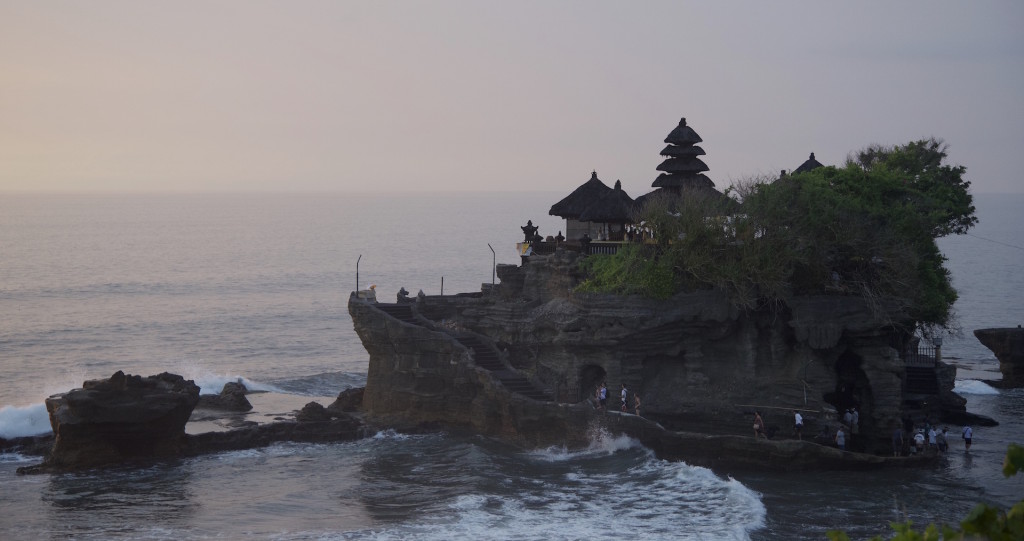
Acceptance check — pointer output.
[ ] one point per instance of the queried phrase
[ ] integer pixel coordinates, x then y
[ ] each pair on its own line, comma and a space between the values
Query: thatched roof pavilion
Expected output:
573, 205
809, 165
615, 207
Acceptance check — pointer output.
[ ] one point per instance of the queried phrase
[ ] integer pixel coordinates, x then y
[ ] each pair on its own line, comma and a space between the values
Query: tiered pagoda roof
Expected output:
682, 168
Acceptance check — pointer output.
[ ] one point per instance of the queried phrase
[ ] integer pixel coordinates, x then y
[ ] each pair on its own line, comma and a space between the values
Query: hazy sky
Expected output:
494, 96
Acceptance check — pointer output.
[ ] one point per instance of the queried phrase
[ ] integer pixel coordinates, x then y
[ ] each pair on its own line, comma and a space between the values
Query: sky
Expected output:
498, 96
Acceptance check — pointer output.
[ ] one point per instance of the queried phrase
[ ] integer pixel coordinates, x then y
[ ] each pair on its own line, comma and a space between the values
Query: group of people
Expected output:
928, 438
601, 395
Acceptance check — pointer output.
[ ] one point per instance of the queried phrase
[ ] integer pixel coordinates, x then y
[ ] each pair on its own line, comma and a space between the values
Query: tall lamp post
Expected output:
494, 262
357, 273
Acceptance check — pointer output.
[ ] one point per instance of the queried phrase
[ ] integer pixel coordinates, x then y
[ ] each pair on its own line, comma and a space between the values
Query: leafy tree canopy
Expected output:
867, 228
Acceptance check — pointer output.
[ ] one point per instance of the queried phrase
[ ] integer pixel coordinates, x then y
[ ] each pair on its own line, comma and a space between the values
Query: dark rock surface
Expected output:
131, 419
700, 365
313, 412
231, 398
345, 428
348, 401
120, 419
1008, 346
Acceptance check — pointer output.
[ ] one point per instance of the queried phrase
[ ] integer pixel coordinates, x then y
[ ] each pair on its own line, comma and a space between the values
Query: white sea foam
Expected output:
601, 444
16, 458
663, 500
213, 383
390, 434
21, 421
973, 386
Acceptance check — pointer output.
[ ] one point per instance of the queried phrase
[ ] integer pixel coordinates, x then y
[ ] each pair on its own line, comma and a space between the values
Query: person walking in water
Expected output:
967, 435
759, 426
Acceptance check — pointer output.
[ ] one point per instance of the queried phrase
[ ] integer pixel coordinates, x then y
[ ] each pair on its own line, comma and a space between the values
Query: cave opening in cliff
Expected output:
852, 389
591, 375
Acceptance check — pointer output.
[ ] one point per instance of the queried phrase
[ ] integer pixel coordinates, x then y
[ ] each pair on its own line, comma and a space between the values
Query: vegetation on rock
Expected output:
867, 228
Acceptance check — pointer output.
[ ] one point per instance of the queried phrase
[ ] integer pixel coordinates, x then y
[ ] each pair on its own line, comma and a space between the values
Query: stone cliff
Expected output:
699, 365
1008, 346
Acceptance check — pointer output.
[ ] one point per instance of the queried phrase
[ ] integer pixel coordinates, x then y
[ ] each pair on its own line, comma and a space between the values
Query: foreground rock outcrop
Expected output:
134, 419
700, 366
120, 419
1008, 346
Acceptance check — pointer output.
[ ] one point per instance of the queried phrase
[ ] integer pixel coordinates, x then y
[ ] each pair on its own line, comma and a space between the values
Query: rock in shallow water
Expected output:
231, 398
120, 419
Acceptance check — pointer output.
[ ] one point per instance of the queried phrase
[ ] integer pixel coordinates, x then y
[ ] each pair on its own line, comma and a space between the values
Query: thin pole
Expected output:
357, 272
494, 262
442, 286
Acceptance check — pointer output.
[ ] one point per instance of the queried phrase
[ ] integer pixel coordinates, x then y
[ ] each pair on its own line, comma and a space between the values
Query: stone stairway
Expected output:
921, 380
485, 356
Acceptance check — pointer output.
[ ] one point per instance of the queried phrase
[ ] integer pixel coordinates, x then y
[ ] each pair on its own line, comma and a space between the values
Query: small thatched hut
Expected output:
611, 213
594, 209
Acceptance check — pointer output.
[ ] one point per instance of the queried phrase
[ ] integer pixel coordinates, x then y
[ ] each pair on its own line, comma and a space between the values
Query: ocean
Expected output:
254, 288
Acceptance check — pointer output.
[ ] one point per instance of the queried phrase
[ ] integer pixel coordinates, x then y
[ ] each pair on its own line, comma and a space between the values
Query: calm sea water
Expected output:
220, 287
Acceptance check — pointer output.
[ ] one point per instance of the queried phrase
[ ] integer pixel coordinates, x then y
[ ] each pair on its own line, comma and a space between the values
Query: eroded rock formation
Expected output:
700, 365
120, 419
1008, 346
134, 419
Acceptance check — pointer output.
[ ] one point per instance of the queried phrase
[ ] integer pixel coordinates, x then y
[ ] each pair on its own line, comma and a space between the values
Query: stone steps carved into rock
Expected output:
485, 356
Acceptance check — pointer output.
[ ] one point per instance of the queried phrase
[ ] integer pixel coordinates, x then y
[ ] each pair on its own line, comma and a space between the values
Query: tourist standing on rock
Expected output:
759, 426
848, 418
798, 424
919, 440
636, 403
854, 422
897, 441
622, 397
933, 441
840, 438
967, 435
602, 395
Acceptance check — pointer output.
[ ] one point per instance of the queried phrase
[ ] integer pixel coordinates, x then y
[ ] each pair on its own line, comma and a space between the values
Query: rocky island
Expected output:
697, 322
828, 335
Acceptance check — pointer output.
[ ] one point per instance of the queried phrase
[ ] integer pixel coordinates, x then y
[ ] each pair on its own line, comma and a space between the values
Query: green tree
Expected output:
944, 194
867, 228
